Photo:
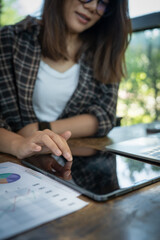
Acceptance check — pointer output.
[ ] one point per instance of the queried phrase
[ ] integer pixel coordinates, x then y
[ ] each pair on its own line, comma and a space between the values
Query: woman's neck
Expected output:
73, 44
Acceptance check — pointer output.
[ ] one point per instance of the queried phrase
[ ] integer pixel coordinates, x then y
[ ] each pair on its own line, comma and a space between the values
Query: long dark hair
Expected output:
105, 43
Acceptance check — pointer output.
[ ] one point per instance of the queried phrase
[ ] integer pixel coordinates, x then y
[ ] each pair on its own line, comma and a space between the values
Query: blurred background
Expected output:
139, 94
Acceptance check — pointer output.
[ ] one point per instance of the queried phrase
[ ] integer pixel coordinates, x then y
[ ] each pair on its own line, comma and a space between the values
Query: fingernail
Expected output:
58, 152
37, 148
68, 156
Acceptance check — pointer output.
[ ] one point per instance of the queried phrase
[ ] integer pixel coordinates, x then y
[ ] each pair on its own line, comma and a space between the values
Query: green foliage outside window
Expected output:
9, 12
139, 94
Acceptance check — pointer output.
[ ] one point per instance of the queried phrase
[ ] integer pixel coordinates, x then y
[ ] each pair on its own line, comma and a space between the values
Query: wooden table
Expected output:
133, 216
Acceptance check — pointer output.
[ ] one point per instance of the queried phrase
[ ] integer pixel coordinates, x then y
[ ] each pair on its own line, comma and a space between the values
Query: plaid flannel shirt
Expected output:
20, 54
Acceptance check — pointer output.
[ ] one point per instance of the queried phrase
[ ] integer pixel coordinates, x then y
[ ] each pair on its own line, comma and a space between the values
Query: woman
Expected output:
59, 75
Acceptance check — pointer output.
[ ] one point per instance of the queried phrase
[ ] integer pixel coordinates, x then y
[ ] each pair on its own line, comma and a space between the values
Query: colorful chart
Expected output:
9, 177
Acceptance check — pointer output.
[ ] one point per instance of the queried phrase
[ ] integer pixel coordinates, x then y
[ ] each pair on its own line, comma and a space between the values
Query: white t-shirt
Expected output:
53, 90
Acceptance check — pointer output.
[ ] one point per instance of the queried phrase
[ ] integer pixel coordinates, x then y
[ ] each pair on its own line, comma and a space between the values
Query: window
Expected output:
139, 94
143, 7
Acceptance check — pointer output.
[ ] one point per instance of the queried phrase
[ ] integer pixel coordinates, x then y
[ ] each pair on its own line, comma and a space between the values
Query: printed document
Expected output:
29, 199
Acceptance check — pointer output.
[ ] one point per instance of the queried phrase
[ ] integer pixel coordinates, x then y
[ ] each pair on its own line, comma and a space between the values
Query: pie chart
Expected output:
9, 178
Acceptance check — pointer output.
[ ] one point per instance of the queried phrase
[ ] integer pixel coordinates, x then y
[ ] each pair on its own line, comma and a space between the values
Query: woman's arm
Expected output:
39, 142
83, 125
80, 126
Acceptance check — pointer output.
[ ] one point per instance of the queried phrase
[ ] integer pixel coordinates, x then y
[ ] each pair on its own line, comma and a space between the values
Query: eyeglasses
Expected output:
102, 7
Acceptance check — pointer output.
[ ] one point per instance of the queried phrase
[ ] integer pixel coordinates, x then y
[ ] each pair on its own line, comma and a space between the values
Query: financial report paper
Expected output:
28, 199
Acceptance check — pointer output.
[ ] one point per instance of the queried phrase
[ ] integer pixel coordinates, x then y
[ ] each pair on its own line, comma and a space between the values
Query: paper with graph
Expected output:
26, 200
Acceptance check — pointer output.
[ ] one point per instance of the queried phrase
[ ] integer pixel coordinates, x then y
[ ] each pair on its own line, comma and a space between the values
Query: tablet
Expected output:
99, 176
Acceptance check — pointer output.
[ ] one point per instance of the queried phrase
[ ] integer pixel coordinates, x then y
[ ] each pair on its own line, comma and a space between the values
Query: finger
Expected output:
55, 143
29, 150
63, 146
52, 145
33, 147
36, 147
66, 135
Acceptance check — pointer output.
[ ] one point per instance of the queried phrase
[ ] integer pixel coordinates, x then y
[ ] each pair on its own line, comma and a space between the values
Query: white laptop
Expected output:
144, 148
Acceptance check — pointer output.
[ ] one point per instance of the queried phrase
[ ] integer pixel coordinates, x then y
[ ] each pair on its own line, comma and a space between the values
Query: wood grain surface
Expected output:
134, 216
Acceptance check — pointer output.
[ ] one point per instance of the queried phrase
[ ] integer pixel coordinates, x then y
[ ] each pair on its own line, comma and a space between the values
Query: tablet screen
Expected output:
100, 176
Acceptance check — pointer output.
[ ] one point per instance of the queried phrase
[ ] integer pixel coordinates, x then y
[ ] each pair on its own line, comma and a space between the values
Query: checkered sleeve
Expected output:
3, 124
104, 107
8, 102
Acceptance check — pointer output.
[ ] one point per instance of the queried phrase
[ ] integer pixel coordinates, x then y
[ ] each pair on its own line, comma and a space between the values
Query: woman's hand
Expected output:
28, 130
43, 142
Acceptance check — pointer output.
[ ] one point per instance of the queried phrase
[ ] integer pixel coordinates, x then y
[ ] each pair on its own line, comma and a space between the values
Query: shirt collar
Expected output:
30, 24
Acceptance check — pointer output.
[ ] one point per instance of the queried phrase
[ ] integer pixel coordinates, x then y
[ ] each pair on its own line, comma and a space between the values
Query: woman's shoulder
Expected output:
29, 24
